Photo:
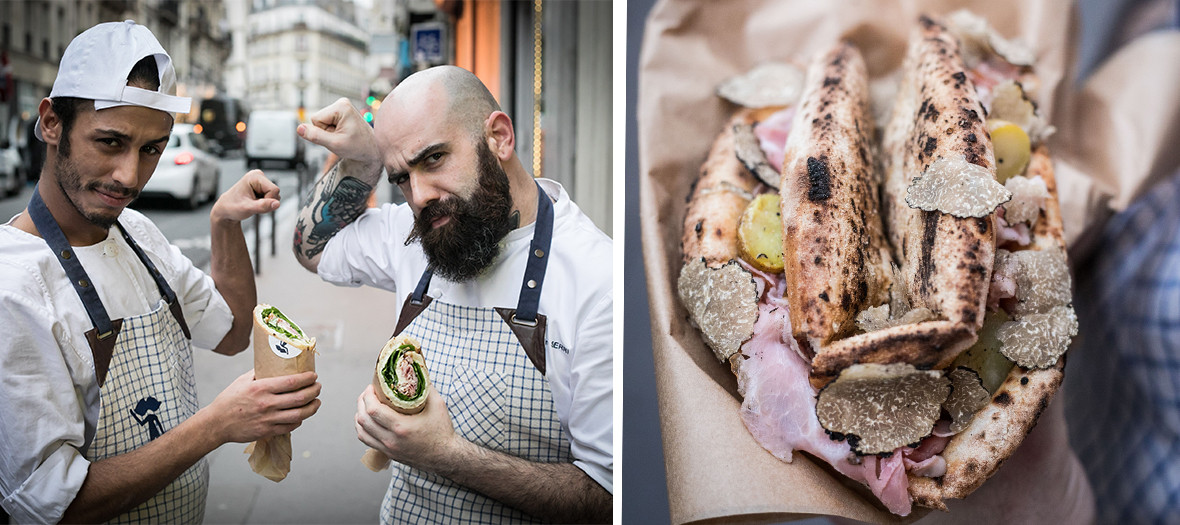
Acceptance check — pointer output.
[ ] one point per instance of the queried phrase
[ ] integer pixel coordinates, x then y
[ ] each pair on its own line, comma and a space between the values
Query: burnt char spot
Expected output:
971, 137
846, 300
1003, 399
931, 143
862, 291
824, 296
981, 224
819, 178
818, 260
1024, 380
927, 22
718, 233
926, 263
969, 315
972, 466
831, 81
960, 78
698, 228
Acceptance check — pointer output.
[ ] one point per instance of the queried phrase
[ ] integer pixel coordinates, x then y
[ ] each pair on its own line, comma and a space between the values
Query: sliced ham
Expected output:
778, 405
1018, 233
772, 135
990, 73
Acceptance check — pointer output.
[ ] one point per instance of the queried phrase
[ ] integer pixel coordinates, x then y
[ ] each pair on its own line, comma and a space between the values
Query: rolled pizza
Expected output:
280, 348
401, 383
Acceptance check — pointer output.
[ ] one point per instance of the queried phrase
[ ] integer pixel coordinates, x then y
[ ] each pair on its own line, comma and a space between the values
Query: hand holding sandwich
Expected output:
559, 492
249, 409
426, 440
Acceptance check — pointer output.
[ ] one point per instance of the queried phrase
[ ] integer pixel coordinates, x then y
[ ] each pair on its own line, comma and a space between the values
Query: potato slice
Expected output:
760, 234
1012, 146
984, 356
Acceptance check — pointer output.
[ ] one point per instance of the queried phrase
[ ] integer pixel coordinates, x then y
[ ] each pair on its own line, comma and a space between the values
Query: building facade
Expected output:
297, 55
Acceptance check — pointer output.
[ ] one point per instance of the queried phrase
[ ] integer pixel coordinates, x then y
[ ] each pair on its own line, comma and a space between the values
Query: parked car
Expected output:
271, 137
187, 170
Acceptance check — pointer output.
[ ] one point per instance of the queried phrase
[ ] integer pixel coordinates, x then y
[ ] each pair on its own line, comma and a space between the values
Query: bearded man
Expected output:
516, 329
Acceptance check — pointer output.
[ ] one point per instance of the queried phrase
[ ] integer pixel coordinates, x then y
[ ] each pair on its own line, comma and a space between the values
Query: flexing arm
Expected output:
247, 410
337, 199
559, 492
230, 264
339, 196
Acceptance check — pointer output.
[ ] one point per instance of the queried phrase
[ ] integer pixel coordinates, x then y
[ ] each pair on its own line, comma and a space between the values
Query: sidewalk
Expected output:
327, 483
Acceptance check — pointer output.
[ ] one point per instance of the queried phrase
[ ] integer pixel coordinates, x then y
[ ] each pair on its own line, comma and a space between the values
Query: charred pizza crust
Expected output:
835, 257
998, 429
946, 261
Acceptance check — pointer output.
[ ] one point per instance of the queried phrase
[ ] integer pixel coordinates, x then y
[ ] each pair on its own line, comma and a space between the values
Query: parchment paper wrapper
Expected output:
374, 460
1113, 140
271, 457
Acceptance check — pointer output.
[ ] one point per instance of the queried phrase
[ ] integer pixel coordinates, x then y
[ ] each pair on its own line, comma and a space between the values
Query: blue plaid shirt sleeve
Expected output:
1122, 385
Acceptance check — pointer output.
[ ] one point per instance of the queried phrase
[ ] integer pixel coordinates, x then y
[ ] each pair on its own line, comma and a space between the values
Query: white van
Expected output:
271, 137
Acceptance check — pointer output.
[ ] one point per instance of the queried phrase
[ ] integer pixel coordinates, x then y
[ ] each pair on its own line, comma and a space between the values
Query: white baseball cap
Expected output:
96, 63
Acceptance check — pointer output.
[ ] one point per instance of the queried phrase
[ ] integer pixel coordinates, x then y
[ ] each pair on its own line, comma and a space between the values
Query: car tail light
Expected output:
184, 158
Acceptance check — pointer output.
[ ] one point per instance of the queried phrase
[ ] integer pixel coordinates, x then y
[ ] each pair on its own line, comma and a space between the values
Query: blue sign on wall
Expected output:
428, 42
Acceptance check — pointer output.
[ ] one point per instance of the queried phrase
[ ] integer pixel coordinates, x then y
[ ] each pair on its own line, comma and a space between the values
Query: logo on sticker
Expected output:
283, 349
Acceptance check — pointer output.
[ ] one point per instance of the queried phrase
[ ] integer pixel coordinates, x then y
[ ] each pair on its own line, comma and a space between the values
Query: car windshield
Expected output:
173, 141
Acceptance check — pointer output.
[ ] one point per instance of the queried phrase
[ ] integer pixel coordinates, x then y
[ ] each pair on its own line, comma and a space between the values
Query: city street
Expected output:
327, 483
189, 229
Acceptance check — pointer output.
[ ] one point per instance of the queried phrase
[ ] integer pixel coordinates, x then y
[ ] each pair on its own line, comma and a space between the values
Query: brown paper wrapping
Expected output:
1112, 141
271, 457
374, 460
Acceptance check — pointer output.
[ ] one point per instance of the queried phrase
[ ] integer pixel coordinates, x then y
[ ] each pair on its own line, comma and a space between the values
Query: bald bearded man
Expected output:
516, 328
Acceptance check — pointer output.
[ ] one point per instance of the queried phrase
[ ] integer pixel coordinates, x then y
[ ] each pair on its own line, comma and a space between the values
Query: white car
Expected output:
187, 170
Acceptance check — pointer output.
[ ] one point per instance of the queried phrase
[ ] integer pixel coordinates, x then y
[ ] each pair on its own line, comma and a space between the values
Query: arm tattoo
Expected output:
333, 203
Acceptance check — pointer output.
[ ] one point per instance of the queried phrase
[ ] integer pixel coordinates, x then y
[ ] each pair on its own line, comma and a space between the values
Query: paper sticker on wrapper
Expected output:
282, 348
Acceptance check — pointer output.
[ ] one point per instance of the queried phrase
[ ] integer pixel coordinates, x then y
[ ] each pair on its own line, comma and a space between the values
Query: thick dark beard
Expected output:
70, 183
469, 243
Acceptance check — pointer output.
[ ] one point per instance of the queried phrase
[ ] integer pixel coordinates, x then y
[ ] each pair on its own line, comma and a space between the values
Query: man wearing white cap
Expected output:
99, 313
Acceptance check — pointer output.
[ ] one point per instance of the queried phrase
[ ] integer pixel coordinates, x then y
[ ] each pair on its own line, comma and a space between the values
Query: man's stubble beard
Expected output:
70, 183
468, 244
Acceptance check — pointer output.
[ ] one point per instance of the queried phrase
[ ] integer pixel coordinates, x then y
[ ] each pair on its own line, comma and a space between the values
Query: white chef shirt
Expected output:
46, 365
576, 299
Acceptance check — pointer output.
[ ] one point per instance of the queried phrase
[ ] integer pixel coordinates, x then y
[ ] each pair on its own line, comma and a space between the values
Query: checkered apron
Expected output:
494, 387
144, 368
152, 361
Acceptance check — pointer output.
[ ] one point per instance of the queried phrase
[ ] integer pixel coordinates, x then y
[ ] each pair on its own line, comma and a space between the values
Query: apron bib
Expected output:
144, 368
488, 363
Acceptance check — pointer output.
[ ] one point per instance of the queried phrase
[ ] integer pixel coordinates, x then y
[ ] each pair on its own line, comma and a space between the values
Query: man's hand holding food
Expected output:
426, 440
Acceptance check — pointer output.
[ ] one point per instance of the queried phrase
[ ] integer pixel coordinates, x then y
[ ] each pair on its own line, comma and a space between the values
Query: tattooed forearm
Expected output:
333, 203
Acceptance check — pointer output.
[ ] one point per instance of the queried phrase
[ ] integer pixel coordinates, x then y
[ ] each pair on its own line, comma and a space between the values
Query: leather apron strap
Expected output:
103, 336
526, 323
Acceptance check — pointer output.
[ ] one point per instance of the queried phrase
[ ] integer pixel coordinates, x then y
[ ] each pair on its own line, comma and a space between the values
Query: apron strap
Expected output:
50, 231
538, 260
165, 290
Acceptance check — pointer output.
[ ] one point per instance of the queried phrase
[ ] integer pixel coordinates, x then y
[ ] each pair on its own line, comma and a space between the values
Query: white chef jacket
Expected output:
576, 299
46, 365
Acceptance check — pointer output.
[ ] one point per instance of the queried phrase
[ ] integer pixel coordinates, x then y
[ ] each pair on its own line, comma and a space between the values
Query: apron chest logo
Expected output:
145, 414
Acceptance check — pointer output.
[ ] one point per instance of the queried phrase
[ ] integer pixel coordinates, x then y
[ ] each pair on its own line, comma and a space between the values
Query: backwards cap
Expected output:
97, 62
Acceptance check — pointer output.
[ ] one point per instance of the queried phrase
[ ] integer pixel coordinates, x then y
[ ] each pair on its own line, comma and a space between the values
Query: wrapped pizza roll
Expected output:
280, 348
401, 382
